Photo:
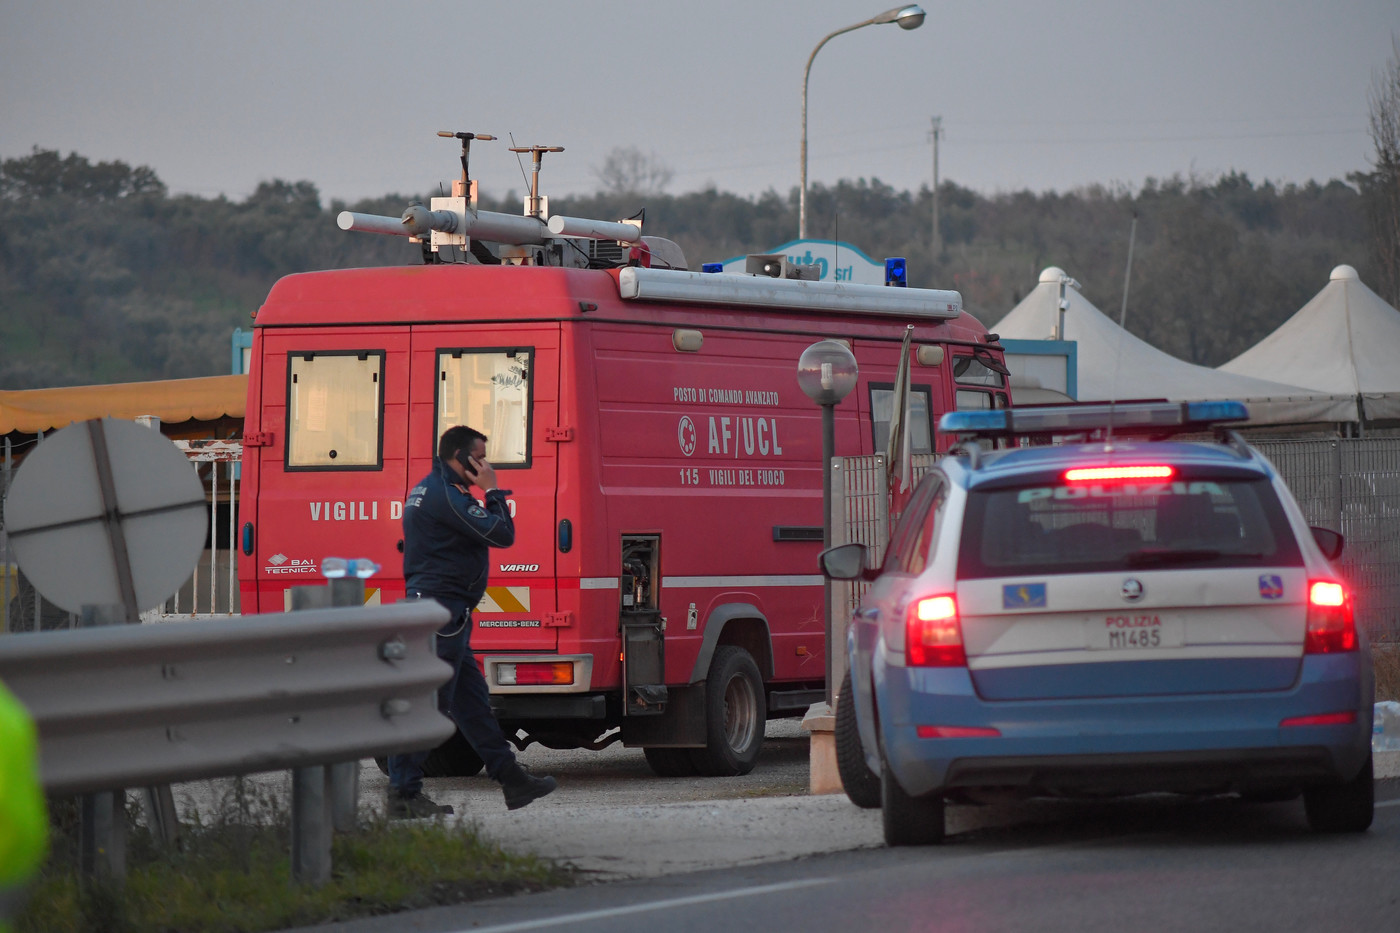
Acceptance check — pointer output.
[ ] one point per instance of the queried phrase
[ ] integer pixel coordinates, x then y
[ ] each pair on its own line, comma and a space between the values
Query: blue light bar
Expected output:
1216, 411
896, 273
1152, 417
712, 267
974, 422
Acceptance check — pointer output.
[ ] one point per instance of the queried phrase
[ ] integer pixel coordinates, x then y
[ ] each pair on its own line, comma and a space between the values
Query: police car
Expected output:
1119, 611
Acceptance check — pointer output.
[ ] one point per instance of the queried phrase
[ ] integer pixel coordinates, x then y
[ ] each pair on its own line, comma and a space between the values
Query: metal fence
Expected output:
1350, 484
212, 590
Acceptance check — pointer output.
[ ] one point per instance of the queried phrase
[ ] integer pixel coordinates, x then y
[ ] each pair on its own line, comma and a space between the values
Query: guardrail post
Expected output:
344, 777
325, 798
102, 836
311, 826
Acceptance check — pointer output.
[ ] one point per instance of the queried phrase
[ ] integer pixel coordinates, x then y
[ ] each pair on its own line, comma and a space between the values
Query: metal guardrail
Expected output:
135, 705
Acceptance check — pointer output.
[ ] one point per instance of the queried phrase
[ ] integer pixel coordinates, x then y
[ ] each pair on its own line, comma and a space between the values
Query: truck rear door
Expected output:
504, 382
332, 478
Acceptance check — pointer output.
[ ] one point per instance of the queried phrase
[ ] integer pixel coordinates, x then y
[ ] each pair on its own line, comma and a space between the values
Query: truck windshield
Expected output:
488, 390
1088, 528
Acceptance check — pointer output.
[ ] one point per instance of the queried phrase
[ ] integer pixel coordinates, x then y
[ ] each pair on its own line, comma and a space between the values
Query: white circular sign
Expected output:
68, 534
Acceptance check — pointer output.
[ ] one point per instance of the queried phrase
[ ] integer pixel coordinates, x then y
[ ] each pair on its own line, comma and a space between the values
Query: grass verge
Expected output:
234, 874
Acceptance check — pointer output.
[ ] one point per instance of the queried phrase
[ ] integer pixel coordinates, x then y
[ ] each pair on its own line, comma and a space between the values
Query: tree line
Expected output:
107, 277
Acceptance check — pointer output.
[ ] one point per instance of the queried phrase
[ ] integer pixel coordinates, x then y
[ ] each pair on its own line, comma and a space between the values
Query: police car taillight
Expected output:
933, 635
1117, 474
1331, 625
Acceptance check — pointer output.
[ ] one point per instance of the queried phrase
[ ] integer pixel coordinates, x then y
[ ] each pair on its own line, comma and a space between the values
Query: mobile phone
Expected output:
466, 461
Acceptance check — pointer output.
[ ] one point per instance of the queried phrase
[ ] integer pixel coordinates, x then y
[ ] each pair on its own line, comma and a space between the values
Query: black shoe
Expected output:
414, 807
521, 787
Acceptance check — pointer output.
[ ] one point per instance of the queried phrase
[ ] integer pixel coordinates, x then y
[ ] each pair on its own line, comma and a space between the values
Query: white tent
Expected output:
1113, 364
1345, 341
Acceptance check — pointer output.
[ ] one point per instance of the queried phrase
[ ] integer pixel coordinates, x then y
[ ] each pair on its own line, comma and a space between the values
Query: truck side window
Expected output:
881, 409
488, 390
334, 410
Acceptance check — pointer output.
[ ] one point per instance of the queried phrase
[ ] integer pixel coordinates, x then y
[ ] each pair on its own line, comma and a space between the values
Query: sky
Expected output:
1032, 94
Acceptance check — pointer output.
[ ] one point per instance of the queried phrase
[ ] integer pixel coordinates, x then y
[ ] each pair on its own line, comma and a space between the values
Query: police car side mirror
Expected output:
1329, 541
845, 562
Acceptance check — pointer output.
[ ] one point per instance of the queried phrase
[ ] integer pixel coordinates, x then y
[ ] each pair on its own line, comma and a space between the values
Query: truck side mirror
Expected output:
1329, 541
844, 562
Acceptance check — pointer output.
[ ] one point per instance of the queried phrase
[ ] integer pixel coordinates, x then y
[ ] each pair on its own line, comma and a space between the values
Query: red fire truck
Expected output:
664, 466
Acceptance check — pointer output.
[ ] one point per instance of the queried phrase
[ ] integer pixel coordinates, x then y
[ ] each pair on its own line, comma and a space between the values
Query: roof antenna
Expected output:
1122, 326
466, 139
537, 158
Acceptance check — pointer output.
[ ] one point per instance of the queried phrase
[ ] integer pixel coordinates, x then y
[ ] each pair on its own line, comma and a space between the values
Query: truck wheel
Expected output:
735, 712
670, 762
862, 785
453, 758
1342, 808
908, 821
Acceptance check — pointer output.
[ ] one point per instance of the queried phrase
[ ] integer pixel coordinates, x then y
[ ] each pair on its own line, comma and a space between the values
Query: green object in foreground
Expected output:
24, 821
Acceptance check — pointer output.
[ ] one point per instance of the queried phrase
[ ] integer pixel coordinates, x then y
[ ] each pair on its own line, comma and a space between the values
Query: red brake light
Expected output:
535, 673
933, 635
1331, 626
1117, 474
1324, 719
957, 732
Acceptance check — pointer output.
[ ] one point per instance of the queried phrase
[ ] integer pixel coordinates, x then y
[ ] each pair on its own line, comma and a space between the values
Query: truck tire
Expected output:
861, 784
908, 821
1342, 808
453, 758
735, 713
670, 762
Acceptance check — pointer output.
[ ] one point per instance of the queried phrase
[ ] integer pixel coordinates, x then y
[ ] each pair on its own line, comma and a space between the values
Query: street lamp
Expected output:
910, 16
827, 372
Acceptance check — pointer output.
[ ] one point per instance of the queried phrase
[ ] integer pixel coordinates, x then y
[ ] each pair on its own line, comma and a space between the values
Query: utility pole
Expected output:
937, 240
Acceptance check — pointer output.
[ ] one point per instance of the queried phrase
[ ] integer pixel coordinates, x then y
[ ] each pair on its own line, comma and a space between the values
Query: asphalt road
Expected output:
1156, 863
758, 853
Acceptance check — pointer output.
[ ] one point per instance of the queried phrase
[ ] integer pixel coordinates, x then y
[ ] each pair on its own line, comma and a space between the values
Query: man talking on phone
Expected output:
447, 537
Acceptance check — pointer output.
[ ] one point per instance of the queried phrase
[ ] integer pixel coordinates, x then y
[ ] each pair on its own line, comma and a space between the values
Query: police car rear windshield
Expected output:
1089, 527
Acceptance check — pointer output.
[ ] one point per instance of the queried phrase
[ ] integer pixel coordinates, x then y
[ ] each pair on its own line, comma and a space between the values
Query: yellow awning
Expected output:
209, 398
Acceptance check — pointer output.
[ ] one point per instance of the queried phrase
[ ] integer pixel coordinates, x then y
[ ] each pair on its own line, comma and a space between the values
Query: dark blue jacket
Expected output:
447, 534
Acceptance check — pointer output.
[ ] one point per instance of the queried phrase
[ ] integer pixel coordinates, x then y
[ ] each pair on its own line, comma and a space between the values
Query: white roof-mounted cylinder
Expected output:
758, 291
418, 221
595, 229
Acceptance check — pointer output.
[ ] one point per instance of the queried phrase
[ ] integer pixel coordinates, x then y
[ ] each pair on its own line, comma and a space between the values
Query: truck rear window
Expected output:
334, 406
1122, 527
488, 390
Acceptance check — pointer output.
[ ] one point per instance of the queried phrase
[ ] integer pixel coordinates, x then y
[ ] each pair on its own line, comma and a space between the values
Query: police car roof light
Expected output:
1067, 419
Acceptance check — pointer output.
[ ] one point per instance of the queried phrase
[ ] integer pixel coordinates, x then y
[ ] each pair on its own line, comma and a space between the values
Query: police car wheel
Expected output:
670, 762
1342, 808
862, 785
909, 821
735, 713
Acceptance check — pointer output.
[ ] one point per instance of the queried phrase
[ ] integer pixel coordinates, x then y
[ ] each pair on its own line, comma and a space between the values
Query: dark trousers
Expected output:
465, 699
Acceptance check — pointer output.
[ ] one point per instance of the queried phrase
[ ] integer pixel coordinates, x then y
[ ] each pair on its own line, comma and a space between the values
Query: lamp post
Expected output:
910, 16
827, 372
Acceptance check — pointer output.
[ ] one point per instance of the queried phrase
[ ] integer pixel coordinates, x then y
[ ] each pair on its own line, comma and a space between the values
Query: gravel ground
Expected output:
612, 818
